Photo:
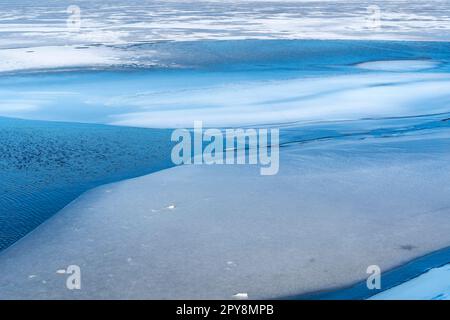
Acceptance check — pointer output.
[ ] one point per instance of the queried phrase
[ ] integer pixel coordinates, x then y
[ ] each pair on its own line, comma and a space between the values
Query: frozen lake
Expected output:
28, 24
360, 171
362, 103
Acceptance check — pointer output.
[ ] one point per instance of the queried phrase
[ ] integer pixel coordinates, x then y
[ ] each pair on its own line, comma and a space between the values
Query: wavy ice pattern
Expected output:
348, 195
37, 36
240, 83
134, 21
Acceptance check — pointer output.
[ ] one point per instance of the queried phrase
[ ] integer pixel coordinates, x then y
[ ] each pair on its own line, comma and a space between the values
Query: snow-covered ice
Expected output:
114, 22
51, 57
123, 24
398, 65
431, 285
346, 196
233, 83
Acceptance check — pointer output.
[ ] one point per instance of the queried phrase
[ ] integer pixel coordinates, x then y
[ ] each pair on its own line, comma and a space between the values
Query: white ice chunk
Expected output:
398, 65
240, 296
57, 57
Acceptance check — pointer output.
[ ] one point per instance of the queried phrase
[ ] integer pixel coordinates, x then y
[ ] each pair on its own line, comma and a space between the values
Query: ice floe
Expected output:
398, 65
240, 296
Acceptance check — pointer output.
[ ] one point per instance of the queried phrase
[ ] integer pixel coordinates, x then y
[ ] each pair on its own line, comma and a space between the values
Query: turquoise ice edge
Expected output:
390, 279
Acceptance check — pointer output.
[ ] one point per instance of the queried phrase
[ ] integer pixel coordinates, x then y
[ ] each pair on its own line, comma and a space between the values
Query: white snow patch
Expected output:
398, 65
49, 57
258, 102
240, 296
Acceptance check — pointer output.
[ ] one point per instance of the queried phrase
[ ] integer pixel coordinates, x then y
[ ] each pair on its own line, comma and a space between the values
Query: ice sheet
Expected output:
335, 208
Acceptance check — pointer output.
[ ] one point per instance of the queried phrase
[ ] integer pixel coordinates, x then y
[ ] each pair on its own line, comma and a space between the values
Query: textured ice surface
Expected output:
240, 83
432, 285
44, 166
338, 205
118, 22
123, 24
